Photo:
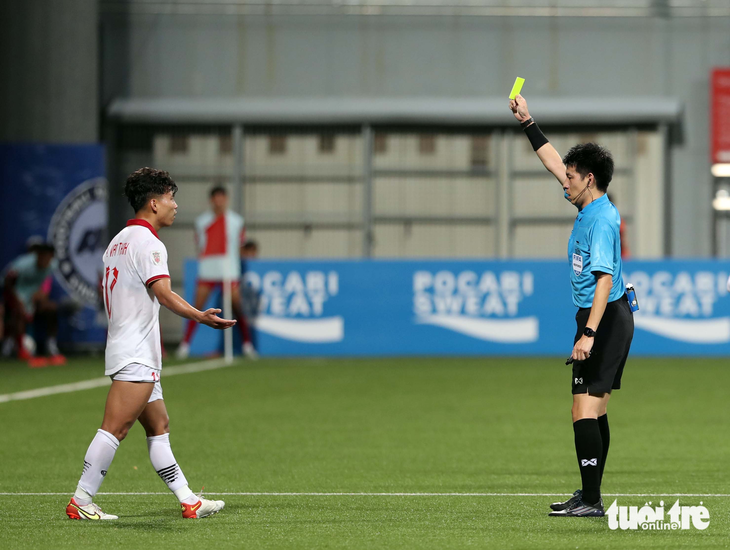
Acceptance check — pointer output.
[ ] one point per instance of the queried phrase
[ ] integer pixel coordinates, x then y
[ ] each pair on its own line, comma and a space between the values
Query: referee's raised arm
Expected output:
547, 153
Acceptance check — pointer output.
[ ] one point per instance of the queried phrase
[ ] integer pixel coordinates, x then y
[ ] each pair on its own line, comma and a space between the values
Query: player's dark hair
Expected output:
251, 245
218, 189
591, 158
146, 183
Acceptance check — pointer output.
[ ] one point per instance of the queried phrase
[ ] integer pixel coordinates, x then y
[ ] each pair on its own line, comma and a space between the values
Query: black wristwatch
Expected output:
526, 123
589, 332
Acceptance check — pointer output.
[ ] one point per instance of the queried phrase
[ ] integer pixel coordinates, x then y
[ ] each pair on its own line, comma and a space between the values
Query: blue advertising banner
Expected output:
685, 309
58, 193
391, 307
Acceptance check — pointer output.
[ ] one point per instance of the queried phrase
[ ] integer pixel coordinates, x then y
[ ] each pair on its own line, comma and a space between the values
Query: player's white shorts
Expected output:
134, 372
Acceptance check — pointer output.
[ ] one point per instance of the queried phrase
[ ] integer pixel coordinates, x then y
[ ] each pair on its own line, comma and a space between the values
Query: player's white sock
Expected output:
52, 346
8, 347
163, 461
81, 497
98, 458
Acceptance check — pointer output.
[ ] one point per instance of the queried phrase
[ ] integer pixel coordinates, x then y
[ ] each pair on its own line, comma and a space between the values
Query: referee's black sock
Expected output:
589, 448
606, 437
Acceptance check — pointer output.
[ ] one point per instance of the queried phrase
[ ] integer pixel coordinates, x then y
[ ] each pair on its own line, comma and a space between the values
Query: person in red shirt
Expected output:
219, 234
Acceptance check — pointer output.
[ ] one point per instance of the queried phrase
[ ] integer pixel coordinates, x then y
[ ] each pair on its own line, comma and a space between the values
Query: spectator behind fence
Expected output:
250, 250
251, 298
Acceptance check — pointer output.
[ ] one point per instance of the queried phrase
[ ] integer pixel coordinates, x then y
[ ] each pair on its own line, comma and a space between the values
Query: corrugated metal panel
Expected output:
494, 111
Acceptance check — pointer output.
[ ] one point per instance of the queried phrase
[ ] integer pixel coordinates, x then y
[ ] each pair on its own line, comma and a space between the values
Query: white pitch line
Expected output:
394, 494
106, 381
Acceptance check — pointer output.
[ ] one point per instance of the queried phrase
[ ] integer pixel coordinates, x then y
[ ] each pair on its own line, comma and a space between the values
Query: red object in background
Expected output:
720, 115
625, 252
216, 237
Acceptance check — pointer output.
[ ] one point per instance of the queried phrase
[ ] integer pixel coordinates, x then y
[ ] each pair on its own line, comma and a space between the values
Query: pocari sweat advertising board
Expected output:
685, 307
404, 307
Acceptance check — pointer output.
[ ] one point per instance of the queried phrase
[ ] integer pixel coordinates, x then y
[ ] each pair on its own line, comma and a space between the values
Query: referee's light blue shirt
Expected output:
595, 247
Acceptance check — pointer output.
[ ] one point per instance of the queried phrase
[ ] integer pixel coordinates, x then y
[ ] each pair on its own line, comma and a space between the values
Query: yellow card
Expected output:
516, 87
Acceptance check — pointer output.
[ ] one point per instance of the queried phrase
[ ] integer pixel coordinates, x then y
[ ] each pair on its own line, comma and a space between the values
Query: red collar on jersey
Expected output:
144, 223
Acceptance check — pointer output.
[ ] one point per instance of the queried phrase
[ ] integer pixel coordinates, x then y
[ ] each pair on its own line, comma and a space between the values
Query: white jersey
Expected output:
134, 259
219, 239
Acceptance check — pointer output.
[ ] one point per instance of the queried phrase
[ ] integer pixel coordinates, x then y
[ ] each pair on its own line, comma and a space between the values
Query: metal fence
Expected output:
390, 191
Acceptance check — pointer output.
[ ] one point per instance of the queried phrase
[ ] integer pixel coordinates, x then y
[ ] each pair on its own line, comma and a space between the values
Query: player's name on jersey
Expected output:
119, 248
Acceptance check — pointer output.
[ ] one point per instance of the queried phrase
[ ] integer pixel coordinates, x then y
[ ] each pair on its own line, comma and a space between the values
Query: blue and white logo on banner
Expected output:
78, 231
292, 304
681, 302
484, 305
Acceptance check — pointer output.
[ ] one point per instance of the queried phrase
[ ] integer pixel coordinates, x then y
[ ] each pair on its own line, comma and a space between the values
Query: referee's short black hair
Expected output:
146, 183
591, 158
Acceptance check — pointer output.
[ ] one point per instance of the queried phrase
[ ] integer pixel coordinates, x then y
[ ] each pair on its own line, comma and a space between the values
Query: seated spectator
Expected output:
26, 288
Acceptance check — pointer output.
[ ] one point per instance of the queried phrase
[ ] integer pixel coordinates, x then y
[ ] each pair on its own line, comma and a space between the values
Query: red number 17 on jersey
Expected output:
108, 289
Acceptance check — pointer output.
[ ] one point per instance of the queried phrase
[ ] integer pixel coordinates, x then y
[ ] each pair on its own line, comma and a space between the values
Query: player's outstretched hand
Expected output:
210, 317
518, 106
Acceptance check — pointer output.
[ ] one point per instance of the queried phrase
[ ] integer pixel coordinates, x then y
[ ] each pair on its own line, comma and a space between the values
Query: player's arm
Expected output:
41, 295
604, 283
545, 151
162, 288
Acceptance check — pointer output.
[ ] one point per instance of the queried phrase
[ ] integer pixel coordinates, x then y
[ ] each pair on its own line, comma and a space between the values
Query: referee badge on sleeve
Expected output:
577, 264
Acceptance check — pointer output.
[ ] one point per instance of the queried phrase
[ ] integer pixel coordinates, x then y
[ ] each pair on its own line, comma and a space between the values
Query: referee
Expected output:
605, 322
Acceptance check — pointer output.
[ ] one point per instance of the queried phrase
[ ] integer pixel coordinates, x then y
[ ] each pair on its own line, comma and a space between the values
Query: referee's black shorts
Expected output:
602, 371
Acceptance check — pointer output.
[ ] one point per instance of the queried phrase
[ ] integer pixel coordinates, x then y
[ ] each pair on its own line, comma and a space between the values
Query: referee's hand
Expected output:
582, 348
518, 106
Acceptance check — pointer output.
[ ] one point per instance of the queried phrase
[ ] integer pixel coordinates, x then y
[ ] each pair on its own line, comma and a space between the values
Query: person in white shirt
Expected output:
135, 282
219, 237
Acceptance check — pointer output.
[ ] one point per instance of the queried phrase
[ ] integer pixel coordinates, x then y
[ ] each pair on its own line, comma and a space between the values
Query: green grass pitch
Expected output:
437, 425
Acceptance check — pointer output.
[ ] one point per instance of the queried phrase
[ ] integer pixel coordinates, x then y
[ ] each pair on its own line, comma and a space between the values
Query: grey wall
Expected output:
49, 65
200, 56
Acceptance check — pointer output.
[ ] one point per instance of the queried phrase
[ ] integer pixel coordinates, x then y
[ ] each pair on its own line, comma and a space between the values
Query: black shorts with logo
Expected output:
602, 371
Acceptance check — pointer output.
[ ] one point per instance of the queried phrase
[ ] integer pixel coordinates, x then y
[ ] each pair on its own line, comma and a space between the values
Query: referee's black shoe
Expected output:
557, 506
581, 510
